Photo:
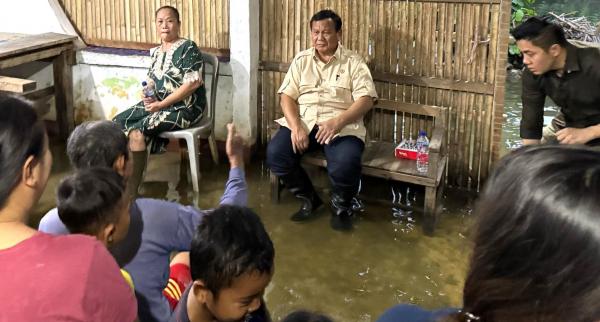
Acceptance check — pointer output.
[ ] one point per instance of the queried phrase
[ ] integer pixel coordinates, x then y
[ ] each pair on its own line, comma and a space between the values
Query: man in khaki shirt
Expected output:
324, 96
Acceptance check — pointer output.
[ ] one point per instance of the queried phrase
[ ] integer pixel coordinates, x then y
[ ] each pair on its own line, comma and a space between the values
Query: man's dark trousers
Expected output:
343, 156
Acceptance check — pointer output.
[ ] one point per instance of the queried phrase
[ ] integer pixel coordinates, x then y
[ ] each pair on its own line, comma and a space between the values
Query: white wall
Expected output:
244, 26
29, 17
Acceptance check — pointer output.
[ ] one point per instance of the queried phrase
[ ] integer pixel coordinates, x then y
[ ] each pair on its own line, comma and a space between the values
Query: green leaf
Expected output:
519, 14
514, 50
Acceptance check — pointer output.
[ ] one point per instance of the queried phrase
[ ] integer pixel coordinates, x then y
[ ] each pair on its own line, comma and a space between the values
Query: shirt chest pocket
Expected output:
341, 89
307, 87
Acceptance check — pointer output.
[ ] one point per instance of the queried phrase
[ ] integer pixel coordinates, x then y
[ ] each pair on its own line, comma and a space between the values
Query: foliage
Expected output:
520, 10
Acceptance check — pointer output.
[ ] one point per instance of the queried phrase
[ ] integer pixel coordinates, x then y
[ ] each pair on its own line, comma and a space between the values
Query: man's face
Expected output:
324, 37
537, 60
242, 297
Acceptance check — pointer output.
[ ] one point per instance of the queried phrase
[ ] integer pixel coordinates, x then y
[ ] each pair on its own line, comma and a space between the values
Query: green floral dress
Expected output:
169, 70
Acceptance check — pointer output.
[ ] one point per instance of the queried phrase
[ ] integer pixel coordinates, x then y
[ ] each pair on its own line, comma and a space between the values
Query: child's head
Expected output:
25, 160
306, 316
537, 238
92, 202
231, 262
99, 144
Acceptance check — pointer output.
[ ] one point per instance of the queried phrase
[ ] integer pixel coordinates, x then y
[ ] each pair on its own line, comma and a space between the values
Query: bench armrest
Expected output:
437, 139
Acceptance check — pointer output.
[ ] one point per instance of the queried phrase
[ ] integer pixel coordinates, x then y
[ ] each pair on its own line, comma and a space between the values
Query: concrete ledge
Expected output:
129, 58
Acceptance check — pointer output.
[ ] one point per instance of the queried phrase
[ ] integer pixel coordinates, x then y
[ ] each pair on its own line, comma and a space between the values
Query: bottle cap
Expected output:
422, 132
144, 83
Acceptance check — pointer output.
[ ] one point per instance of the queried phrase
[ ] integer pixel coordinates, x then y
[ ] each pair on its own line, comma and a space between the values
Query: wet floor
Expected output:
351, 276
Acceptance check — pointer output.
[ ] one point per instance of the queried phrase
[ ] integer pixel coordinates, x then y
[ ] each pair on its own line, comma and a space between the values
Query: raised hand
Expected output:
234, 147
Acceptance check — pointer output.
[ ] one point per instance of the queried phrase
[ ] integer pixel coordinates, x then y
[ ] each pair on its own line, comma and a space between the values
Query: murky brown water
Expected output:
512, 111
351, 276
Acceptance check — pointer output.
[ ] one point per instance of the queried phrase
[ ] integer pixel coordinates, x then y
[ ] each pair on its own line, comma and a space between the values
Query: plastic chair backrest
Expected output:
214, 80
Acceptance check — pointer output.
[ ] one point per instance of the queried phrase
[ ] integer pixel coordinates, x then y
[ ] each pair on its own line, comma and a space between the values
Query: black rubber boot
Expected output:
308, 208
341, 211
300, 186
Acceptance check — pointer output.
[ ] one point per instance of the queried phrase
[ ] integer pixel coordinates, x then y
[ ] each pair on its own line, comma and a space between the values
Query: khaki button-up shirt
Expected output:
325, 90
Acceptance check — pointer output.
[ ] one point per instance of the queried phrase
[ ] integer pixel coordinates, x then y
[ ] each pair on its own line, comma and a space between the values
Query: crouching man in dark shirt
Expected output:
566, 71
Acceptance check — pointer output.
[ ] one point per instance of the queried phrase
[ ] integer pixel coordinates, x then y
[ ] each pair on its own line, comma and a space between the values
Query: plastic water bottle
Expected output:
148, 90
422, 152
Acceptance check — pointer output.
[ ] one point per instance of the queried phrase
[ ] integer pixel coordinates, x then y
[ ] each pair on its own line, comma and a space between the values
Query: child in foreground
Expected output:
231, 262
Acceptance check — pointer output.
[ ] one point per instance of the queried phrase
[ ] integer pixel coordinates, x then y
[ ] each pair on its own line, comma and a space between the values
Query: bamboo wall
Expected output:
130, 23
419, 51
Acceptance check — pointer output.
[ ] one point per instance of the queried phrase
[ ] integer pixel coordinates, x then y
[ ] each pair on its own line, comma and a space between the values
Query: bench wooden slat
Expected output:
16, 85
421, 109
379, 161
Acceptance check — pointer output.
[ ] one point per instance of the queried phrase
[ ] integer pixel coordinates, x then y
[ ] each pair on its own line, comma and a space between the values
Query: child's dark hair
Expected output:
229, 242
22, 135
96, 144
541, 32
87, 199
306, 316
327, 14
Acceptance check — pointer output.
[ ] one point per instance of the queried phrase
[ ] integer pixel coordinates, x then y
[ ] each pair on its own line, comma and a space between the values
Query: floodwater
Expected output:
351, 276
512, 111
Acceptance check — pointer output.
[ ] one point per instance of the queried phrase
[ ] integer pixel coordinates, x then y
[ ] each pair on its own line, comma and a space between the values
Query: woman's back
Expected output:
58, 278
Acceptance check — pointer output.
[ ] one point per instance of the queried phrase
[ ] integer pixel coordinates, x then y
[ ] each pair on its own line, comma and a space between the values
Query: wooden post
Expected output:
429, 213
63, 89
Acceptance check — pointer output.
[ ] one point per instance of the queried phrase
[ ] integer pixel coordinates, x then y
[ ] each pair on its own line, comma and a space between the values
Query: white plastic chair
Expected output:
204, 128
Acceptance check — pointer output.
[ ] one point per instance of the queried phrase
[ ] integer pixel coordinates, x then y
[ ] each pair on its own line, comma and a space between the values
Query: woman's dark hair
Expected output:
306, 316
536, 250
22, 134
86, 200
96, 144
229, 242
541, 32
327, 14
173, 9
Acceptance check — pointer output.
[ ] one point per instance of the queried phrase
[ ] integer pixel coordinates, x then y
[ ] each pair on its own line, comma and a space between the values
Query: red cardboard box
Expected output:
404, 153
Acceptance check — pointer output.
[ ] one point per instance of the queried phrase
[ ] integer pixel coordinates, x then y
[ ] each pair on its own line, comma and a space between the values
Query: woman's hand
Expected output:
153, 105
148, 100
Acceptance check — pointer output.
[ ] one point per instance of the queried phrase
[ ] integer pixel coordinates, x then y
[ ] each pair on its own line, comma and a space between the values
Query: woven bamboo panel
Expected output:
130, 23
446, 53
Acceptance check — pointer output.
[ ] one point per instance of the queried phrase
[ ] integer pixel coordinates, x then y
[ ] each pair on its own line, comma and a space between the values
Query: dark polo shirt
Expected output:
577, 92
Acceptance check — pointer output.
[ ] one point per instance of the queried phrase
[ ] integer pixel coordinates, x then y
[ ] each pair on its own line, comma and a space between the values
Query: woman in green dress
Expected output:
180, 95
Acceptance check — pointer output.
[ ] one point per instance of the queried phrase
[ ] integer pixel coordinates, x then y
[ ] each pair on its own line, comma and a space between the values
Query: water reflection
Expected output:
512, 111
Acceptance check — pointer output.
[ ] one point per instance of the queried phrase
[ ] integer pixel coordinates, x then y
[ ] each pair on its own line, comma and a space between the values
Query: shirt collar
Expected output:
572, 61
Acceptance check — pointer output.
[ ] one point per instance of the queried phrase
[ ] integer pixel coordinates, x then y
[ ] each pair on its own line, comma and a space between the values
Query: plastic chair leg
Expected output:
192, 145
213, 148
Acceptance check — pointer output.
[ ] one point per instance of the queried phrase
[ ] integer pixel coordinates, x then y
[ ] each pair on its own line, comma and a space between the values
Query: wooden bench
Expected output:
379, 160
